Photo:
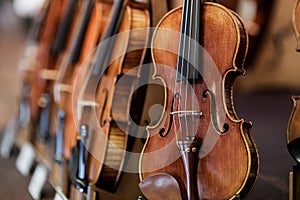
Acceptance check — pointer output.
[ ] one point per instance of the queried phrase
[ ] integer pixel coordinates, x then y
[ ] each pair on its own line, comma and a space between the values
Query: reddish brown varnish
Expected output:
230, 169
113, 100
67, 73
294, 121
293, 128
44, 59
93, 33
296, 23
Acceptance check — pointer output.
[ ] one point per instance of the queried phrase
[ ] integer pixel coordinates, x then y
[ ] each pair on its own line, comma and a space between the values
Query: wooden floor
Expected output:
269, 111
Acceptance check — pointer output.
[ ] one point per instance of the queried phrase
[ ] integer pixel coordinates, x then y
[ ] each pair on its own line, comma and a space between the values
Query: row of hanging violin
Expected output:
113, 108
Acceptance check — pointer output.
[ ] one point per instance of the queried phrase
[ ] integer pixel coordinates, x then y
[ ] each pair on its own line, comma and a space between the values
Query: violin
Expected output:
46, 56
115, 60
26, 64
29, 65
93, 16
59, 172
45, 124
292, 136
293, 128
199, 147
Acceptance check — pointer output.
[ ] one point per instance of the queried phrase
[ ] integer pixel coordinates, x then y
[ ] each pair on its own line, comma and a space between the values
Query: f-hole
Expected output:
163, 130
213, 106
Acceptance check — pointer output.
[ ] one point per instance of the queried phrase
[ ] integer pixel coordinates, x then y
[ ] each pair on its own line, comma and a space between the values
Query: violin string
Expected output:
194, 38
189, 66
179, 73
198, 54
184, 63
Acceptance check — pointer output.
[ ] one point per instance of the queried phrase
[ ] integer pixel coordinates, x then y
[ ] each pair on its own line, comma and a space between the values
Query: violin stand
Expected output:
294, 180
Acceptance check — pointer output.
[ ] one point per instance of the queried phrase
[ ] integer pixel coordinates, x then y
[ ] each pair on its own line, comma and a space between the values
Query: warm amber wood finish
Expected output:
293, 128
293, 131
41, 80
255, 26
160, 186
230, 168
70, 73
65, 81
107, 156
296, 23
44, 60
26, 67
59, 173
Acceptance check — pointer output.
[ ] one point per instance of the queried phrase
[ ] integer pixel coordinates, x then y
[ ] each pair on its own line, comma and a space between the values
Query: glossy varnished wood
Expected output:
70, 76
296, 23
293, 127
230, 167
294, 120
117, 112
44, 59
113, 101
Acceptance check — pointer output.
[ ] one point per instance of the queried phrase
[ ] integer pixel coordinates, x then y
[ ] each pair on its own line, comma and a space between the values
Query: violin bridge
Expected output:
187, 113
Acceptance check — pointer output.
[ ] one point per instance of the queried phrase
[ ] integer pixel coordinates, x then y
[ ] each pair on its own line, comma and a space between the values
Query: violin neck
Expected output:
105, 50
80, 35
64, 28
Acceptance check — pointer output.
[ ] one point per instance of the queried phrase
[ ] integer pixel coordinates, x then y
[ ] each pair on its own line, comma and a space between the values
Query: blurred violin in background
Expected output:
70, 60
106, 86
293, 128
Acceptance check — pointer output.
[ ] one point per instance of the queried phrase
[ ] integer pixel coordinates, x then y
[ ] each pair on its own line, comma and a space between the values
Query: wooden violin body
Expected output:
111, 100
293, 128
228, 163
68, 74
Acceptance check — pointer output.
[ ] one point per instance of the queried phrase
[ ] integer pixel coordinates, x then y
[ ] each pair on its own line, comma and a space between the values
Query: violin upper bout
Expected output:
293, 129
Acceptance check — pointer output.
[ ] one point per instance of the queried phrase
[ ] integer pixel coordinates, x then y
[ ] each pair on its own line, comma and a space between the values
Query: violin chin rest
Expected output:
160, 186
